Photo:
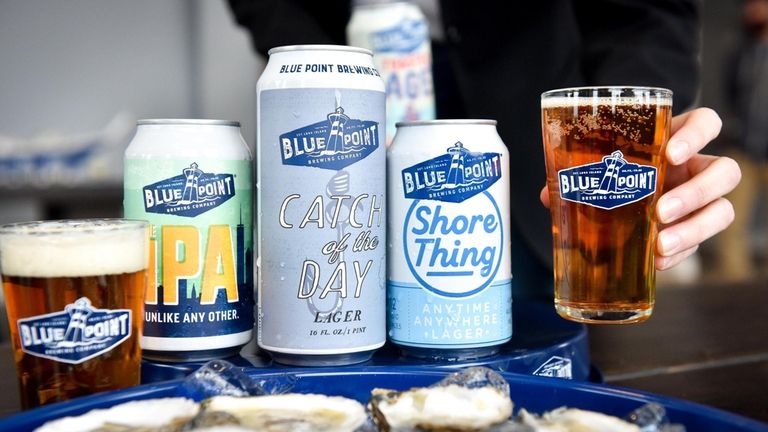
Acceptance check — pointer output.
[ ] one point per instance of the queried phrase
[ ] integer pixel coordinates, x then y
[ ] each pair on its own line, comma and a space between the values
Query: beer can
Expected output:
449, 287
192, 180
397, 32
321, 200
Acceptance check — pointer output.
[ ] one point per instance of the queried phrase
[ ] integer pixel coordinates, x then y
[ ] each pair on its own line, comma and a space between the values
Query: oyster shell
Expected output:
162, 414
286, 412
575, 420
472, 400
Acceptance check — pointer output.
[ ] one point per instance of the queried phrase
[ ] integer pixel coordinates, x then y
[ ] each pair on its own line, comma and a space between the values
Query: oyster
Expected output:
286, 412
163, 414
472, 400
575, 420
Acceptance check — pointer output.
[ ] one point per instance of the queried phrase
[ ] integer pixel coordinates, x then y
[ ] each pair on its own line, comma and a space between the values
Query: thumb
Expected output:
544, 196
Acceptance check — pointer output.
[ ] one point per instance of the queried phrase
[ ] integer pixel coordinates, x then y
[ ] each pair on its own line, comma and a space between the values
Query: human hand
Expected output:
692, 208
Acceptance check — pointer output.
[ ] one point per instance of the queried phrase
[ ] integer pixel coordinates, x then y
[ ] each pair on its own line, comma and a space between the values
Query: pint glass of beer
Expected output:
604, 150
74, 290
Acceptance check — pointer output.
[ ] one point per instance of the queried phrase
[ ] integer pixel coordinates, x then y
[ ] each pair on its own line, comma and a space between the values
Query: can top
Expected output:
486, 122
319, 48
172, 121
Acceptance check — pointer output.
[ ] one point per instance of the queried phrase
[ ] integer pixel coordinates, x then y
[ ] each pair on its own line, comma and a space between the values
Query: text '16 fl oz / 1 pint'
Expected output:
192, 180
321, 220
449, 288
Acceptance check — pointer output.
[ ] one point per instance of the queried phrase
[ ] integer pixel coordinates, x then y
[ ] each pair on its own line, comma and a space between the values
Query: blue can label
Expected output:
333, 144
453, 177
611, 183
455, 290
78, 333
407, 36
432, 321
190, 193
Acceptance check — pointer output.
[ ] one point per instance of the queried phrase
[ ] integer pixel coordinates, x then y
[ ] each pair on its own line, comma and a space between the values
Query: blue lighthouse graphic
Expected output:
338, 120
78, 333
456, 170
78, 318
608, 183
334, 143
454, 176
613, 164
192, 174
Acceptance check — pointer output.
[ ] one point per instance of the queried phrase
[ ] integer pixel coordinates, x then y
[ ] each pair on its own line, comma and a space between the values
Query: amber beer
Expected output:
604, 150
74, 292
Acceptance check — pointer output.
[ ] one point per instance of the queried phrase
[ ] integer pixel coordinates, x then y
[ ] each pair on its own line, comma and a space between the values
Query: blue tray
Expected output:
536, 394
542, 344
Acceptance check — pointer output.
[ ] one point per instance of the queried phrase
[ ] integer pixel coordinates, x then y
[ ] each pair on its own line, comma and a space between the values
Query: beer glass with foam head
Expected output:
74, 290
604, 151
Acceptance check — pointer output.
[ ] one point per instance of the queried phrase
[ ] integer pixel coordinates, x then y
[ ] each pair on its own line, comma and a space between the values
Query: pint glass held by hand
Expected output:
74, 292
604, 151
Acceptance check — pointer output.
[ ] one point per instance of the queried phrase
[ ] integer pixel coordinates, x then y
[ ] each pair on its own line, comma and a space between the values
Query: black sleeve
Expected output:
641, 42
274, 23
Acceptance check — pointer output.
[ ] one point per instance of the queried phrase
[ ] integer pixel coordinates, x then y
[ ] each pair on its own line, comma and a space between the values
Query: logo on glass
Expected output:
407, 36
453, 177
189, 194
332, 144
611, 183
79, 333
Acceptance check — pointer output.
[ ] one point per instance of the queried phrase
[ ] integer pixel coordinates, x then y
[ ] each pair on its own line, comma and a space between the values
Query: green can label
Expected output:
201, 245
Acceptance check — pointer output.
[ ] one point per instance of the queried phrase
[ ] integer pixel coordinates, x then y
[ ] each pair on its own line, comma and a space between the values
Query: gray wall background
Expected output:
68, 68
71, 65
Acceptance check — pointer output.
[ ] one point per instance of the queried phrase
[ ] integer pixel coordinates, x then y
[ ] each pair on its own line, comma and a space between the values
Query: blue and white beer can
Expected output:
449, 286
397, 32
321, 206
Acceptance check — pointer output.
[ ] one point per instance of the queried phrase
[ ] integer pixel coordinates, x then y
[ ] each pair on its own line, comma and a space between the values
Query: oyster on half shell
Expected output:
472, 400
575, 420
286, 412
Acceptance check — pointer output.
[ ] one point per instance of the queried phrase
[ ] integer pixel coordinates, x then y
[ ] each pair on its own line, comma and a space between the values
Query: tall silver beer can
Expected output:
321, 199
449, 288
192, 180
397, 32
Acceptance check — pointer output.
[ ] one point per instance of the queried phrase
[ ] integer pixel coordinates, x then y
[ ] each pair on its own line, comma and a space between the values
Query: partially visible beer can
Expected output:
321, 220
192, 180
449, 288
398, 34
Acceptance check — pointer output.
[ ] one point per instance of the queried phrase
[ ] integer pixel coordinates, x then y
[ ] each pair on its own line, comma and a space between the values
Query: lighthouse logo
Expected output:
189, 194
333, 143
455, 176
608, 184
78, 333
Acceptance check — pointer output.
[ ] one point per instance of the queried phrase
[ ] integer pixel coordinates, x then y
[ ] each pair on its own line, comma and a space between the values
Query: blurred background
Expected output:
76, 75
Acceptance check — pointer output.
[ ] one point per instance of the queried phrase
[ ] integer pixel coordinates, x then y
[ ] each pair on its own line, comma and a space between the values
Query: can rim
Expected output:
487, 122
187, 121
320, 47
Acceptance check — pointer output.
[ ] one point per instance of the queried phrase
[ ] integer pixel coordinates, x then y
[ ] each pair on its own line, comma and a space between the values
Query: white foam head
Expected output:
571, 101
85, 247
606, 96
